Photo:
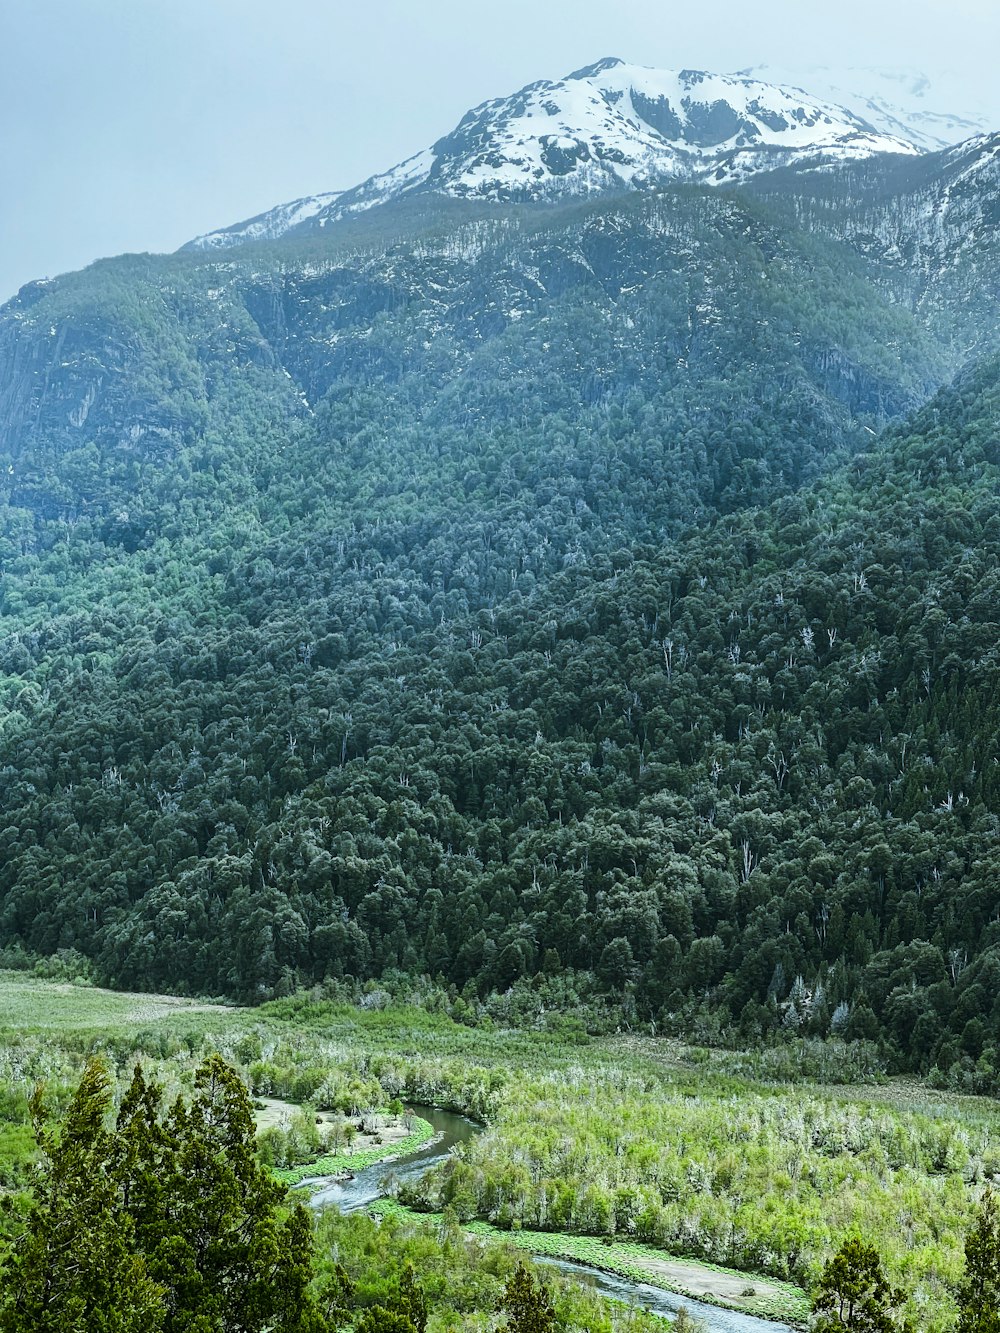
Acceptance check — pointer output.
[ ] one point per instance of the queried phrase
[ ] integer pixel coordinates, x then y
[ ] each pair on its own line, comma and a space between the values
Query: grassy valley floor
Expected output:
753, 1294
702, 1171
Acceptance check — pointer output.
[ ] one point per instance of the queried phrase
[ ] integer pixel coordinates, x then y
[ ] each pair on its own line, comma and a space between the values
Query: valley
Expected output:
584, 1155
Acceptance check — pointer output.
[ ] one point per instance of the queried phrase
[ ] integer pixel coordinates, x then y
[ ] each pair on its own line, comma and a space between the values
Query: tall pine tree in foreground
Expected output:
76, 1268
165, 1222
979, 1291
527, 1305
208, 1214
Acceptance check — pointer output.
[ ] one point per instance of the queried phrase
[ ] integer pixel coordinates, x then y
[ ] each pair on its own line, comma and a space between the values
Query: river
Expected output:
369, 1184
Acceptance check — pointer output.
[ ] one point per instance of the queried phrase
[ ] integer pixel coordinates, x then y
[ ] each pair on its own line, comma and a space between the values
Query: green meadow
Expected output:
648, 1158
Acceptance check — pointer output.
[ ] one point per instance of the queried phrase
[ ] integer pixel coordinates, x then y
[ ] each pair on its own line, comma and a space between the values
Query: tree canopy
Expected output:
579, 602
854, 1295
164, 1220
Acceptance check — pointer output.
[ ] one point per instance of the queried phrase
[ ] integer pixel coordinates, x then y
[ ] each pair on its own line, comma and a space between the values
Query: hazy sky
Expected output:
136, 124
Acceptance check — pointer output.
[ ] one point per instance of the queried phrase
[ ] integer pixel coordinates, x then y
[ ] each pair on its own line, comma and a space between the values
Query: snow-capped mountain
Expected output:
267, 226
904, 103
611, 126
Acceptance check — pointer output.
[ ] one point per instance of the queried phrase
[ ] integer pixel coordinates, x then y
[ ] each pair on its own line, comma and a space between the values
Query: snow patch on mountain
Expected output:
266, 226
609, 127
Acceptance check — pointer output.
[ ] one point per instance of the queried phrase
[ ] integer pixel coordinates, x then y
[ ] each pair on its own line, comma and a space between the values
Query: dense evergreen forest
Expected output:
594, 604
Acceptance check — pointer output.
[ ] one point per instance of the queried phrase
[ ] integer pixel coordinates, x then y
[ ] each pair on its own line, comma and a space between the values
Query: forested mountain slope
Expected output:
699, 771
726, 354
927, 228
495, 592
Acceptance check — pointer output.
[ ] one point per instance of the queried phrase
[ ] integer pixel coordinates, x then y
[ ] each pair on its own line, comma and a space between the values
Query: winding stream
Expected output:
666, 1303
369, 1184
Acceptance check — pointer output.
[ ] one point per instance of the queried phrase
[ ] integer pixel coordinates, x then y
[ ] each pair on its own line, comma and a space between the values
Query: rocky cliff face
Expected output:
467, 320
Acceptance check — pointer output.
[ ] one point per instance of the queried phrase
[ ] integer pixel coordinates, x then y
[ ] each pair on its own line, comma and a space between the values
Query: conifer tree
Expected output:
527, 1305
208, 1215
412, 1297
854, 1295
979, 1291
164, 1223
76, 1268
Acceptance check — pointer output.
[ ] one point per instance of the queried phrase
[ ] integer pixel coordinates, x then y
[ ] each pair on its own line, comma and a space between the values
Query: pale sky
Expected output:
137, 124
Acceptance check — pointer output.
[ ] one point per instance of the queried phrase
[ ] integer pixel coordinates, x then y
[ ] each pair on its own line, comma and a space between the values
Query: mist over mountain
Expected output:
929, 113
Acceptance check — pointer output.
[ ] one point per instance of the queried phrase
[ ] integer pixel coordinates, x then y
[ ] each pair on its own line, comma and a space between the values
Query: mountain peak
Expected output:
903, 102
609, 127
598, 67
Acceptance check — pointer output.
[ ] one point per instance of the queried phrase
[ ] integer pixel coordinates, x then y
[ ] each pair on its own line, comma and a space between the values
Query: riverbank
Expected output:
747, 1293
780, 1170
319, 1172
